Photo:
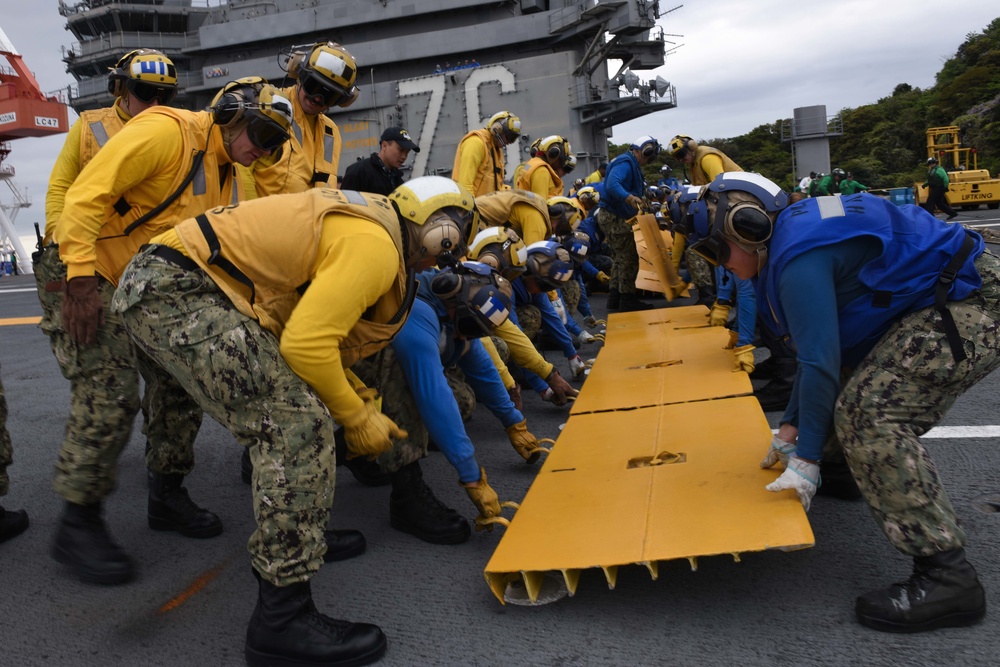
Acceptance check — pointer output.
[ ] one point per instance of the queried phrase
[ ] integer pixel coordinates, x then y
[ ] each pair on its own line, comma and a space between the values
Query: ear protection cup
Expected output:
228, 104
446, 285
228, 111
119, 74
555, 148
294, 63
116, 82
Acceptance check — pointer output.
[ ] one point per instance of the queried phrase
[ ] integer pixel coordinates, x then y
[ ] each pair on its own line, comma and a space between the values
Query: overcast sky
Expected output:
741, 63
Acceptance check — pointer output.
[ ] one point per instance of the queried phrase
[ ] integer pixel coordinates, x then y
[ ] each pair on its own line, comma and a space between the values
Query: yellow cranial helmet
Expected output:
564, 214
680, 145
588, 196
253, 103
505, 126
436, 213
500, 248
327, 74
147, 74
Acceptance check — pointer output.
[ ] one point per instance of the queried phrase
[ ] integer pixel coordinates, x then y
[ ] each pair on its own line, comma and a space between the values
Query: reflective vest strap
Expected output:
945, 279
99, 132
328, 145
215, 257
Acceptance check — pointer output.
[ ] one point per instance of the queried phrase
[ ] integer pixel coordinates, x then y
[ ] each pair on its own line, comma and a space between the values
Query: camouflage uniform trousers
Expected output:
6, 449
702, 273
104, 398
234, 370
382, 372
529, 319
619, 236
385, 374
898, 392
571, 296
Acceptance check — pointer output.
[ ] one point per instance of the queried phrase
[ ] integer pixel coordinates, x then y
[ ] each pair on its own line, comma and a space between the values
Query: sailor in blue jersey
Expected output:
894, 315
453, 309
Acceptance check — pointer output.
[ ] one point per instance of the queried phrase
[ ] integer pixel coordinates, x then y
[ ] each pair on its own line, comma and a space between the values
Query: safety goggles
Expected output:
148, 92
265, 134
321, 93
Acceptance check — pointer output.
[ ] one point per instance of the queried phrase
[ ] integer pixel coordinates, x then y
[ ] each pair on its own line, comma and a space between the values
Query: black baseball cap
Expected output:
401, 137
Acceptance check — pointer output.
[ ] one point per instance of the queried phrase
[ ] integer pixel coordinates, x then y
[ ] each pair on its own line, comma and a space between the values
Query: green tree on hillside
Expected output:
884, 144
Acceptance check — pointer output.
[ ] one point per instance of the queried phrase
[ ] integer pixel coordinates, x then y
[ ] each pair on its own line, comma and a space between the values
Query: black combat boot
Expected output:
942, 592
414, 509
774, 396
838, 482
366, 471
343, 544
614, 299
287, 629
765, 370
171, 508
12, 523
83, 543
630, 302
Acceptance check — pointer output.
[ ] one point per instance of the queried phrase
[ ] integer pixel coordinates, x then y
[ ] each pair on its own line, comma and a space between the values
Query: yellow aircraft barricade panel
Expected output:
675, 317
654, 364
641, 486
656, 271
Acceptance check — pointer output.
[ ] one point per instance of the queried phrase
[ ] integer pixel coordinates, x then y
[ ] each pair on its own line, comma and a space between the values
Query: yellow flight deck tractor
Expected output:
968, 186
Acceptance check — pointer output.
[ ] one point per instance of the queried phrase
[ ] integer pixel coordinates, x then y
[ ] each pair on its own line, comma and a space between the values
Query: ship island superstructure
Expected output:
436, 67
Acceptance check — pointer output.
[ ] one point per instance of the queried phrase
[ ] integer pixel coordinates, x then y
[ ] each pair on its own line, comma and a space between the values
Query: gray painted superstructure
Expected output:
545, 61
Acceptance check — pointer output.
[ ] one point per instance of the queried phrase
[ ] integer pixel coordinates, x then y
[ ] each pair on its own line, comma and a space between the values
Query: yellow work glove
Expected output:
369, 432
744, 359
485, 499
733, 338
603, 278
523, 441
719, 315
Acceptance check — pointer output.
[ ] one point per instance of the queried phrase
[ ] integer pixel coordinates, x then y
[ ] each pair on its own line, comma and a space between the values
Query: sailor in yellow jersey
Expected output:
197, 301
141, 79
543, 175
480, 161
523, 211
164, 165
325, 76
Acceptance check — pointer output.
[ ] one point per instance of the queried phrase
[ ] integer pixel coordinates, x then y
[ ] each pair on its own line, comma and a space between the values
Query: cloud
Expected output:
746, 64
742, 64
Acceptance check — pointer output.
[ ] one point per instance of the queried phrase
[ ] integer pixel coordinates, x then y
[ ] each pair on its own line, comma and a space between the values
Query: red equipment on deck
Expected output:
25, 111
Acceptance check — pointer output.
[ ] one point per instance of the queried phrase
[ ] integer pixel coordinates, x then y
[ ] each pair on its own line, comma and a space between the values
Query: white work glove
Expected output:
800, 476
780, 451
577, 366
560, 309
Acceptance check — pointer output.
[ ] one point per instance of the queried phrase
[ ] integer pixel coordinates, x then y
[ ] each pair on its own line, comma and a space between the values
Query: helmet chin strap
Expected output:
761, 251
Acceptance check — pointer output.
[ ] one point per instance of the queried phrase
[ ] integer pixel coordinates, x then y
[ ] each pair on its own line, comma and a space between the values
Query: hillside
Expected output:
883, 144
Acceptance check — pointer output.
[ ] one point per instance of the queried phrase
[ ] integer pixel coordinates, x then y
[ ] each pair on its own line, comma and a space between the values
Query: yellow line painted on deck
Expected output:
194, 588
10, 321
